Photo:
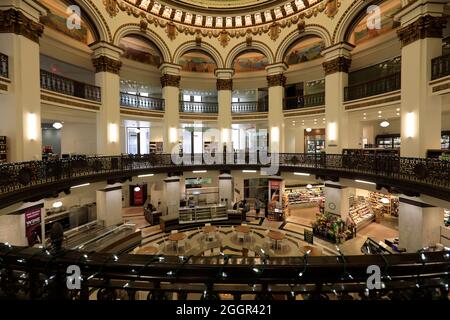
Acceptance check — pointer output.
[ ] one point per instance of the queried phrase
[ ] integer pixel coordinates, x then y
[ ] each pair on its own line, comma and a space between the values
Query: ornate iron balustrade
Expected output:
57, 83
440, 67
249, 107
373, 87
199, 107
410, 175
32, 273
310, 100
4, 65
141, 102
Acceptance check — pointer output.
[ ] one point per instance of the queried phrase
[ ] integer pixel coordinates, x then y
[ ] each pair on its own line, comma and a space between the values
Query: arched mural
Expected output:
197, 61
363, 31
140, 49
249, 61
56, 19
303, 50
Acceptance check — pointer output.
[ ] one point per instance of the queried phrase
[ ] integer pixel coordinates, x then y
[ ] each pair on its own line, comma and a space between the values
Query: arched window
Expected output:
197, 61
139, 48
249, 61
303, 50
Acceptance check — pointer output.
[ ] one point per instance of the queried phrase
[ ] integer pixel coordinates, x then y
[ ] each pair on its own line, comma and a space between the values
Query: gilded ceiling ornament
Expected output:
143, 25
224, 38
332, 8
198, 39
249, 40
301, 26
171, 31
274, 31
111, 7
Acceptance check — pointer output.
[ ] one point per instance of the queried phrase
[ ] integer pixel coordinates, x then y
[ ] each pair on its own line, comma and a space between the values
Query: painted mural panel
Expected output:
250, 61
139, 49
56, 19
304, 50
362, 32
197, 62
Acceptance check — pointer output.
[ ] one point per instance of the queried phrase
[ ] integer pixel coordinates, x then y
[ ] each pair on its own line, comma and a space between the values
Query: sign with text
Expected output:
33, 226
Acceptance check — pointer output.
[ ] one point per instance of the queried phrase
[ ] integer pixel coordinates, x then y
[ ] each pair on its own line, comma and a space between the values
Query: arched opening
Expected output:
304, 49
59, 15
197, 61
140, 49
249, 61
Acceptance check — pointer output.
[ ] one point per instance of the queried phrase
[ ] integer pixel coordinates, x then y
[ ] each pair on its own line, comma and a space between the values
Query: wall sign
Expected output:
33, 226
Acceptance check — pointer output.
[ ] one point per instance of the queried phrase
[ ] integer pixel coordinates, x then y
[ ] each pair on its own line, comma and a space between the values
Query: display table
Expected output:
243, 229
203, 213
209, 229
177, 236
276, 236
168, 222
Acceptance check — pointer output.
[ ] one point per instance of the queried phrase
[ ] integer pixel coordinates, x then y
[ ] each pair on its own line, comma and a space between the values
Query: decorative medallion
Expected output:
198, 39
111, 7
143, 25
424, 27
170, 80
224, 38
14, 21
249, 40
301, 26
276, 80
274, 31
339, 64
106, 64
224, 84
171, 31
332, 7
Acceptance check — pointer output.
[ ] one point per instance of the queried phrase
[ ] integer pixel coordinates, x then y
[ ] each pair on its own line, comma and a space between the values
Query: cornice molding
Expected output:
224, 84
339, 64
106, 64
170, 80
276, 80
14, 21
424, 27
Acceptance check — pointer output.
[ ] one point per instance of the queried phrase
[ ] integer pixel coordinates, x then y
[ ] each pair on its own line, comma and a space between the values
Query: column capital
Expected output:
424, 27
224, 79
276, 80
339, 64
15, 21
170, 75
106, 57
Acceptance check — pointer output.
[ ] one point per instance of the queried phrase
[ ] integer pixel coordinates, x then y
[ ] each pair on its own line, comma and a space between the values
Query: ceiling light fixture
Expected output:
81, 185
309, 186
57, 125
137, 189
57, 204
249, 171
301, 174
308, 129
366, 182
384, 124
146, 175
384, 200
199, 171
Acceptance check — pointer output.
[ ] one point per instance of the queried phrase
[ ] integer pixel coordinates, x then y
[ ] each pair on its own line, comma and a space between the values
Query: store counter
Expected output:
203, 213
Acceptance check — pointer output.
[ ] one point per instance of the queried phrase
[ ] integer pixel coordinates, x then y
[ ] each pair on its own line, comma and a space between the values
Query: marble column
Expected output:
420, 33
336, 66
172, 195
109, 205
170, 83
226, 190
106, 60
276, 81
337, 199
224, 119
20, 119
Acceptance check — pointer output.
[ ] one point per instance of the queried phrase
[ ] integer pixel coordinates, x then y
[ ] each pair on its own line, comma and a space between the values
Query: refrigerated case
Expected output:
315, 141
388, 141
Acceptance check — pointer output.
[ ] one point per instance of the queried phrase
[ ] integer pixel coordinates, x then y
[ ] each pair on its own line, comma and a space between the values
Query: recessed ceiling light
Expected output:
309, 186
57, 125
365, 118
379, 116
398, 109
398, 113
364, 114
379, 111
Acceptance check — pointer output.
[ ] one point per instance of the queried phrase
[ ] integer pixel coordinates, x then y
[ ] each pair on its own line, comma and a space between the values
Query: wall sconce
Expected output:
113, 134
410, 125
332, 131
275, 134
225, 135
173, 135
32, 126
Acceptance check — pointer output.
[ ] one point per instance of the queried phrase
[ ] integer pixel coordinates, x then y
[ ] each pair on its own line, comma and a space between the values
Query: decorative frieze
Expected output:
276, 80
106, 64
170, 80
424, 27
14, 21
224, 84
339, 64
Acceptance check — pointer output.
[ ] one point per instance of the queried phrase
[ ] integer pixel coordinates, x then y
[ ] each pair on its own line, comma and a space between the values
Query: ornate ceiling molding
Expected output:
14, 21
339, 64
424, 27
211, 24
106, 64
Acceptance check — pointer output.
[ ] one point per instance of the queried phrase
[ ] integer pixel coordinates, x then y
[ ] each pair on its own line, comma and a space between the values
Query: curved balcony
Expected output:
4, 66
411, 176
57, 83
373, 87
32, 273
310, 100
440, 67
249, 107
141, 102
199, 107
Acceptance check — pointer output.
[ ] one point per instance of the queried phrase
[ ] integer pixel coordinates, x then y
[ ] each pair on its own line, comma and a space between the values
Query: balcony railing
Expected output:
373, 87
57, 83
199, 107
440, 67
141, 102
249, 107
309, 100
4, 66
